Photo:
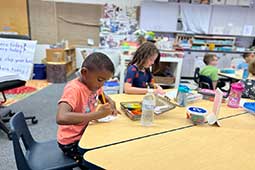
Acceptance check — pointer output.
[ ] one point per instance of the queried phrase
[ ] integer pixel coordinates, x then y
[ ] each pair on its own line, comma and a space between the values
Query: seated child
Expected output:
247, 57
138, 76
249, 91
77, 106
211, 71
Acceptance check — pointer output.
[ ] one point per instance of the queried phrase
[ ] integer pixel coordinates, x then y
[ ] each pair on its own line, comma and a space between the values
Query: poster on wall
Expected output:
17, 56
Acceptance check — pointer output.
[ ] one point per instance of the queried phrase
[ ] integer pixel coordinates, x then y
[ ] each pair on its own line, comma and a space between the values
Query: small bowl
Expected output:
196, 114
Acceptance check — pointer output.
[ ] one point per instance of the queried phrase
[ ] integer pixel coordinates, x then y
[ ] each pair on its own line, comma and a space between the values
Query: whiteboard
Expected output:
159, 16
17, 56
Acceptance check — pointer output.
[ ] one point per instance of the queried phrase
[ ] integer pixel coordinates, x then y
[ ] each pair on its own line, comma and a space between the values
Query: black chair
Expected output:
5, 112
34, 155
202, 81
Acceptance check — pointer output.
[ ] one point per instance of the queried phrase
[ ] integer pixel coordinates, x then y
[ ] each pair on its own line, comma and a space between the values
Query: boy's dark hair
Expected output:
208, 58
98, 61
143, 53
246, 54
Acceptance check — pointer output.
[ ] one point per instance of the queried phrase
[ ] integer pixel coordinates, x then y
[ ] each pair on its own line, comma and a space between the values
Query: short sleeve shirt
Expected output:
138, 78
82, 100
211, 72
242, 65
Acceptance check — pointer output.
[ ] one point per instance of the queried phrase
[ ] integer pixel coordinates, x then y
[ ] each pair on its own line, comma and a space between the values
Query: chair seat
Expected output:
48, 156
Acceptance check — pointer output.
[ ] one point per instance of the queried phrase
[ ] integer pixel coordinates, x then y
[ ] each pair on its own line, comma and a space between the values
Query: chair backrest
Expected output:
196, 75
20, 131
205, 82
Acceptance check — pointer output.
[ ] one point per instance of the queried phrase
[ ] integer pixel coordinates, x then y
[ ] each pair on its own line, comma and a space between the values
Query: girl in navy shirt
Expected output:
138, 76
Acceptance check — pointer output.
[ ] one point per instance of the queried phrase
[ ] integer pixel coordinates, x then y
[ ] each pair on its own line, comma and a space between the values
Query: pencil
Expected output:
103, 98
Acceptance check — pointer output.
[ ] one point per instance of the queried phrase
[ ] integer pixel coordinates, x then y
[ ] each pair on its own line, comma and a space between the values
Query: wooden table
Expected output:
230, 147
238, 75
122, 128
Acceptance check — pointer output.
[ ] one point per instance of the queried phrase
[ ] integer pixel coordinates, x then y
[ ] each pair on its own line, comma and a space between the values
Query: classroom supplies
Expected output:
133, 109
235, 94
210, 94
227, 71
181, 97
196, 114
191, 96
250, 107
148, 105
212, 118
101, 98
106, 119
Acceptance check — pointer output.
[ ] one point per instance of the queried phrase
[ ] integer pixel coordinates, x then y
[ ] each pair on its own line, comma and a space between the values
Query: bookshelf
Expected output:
59, 56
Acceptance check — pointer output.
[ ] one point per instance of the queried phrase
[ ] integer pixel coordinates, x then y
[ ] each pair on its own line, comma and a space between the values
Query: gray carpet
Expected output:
43, 105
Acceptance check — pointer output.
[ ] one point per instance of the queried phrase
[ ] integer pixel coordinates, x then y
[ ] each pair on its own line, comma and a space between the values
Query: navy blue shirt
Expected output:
138, 78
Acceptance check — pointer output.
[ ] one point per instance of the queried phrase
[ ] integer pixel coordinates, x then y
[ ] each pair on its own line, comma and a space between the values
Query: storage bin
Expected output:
39, 71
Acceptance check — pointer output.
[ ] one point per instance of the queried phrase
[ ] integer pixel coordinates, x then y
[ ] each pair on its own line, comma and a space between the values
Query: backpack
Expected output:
249, 91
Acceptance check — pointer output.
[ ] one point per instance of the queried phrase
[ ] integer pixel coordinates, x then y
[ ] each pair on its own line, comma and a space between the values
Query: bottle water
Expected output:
148, 105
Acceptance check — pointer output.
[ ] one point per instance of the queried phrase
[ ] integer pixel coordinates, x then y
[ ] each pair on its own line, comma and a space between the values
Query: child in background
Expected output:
251, 67
211, 71
138, 76
77, 106
249, 83
247, 57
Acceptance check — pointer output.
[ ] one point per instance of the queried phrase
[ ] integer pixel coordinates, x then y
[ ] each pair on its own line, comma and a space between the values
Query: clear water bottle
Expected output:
181, 97
148, 105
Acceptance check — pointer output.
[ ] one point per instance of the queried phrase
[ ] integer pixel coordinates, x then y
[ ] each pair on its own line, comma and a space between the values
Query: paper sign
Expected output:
17, 56
212, 118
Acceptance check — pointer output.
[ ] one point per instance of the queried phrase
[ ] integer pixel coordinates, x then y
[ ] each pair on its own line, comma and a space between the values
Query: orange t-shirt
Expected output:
82, 100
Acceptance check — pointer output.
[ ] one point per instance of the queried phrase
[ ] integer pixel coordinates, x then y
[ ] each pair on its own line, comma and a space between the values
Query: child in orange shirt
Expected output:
77, 106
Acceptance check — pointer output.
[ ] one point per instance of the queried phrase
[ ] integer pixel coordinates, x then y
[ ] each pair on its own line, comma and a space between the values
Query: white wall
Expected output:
121, 3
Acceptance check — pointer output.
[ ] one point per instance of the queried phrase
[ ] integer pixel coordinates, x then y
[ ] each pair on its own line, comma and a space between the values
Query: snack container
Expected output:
196, 114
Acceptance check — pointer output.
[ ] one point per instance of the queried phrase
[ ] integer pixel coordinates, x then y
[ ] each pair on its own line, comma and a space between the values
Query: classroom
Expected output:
127, 84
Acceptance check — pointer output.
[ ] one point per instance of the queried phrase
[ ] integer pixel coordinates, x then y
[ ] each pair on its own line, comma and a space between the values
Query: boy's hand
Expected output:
113, 106
105, 110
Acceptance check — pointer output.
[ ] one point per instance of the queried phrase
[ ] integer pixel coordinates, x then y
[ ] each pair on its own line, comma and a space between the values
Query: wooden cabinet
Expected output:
59, 56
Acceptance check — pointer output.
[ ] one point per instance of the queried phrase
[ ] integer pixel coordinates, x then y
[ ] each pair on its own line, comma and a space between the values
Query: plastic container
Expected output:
148, 105
111, 87
228, 71
39, 71
245, 73
196, 114
181, 97
235, 94
250, 107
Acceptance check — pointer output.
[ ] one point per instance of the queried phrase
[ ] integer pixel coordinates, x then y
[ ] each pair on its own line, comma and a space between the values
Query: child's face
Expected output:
249, 58
214, 61
95, 79
150, 61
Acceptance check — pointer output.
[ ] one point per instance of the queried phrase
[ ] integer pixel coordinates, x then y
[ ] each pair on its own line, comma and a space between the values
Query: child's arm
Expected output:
214, 83
66, 116
134, 90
